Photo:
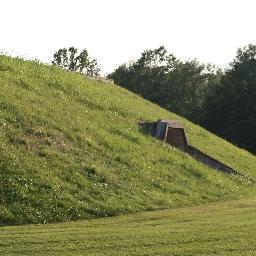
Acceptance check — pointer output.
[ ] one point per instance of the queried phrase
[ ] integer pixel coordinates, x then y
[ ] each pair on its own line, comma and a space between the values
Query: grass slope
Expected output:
216, 229
70, 148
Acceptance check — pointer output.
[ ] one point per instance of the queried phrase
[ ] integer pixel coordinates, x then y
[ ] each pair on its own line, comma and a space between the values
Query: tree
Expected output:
179, 86
230, 111
70, 59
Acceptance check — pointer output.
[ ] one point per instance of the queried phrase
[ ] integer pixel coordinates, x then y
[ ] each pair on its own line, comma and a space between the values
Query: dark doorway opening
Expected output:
176, 137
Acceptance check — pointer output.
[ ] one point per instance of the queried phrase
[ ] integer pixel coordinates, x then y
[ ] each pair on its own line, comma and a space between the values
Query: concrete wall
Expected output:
148, 128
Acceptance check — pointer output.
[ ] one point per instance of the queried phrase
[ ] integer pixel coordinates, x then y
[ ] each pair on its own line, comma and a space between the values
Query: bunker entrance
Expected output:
175, 137
173, 133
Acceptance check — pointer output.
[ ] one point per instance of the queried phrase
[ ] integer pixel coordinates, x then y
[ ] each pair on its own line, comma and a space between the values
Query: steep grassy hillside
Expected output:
223, 228
70, 148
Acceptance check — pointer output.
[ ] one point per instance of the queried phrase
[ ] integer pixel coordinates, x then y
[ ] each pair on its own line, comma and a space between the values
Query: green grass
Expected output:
226, 228
70, 149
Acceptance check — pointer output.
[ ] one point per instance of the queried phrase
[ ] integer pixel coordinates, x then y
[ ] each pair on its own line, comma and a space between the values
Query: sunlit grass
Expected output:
226, 228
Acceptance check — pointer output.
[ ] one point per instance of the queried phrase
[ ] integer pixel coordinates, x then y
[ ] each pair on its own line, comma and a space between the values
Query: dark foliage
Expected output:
230, 110
71, 60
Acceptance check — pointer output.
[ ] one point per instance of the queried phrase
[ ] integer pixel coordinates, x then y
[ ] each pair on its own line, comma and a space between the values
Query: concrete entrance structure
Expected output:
173, 133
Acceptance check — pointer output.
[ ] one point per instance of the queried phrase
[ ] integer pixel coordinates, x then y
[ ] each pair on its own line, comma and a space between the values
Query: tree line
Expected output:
224, 102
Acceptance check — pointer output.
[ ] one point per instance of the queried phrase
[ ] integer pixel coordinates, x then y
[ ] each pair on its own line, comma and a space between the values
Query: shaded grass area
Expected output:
225, 228
70, 148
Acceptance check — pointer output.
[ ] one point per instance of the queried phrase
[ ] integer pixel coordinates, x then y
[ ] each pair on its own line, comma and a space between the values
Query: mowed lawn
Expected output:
225, 228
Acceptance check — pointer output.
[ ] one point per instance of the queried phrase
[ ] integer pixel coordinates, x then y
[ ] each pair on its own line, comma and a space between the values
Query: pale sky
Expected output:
116, 31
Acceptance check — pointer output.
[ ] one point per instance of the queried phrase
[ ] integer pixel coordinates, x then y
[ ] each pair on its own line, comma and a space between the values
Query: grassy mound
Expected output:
70, 148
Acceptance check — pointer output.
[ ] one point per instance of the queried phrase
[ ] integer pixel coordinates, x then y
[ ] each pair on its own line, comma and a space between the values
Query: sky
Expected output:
118, 31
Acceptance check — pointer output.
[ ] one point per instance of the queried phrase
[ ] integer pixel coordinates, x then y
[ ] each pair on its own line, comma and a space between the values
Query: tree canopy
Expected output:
71, 60
230, 110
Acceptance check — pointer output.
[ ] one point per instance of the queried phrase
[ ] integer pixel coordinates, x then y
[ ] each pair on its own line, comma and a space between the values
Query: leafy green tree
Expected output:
70, 59
179, 86
230, 110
